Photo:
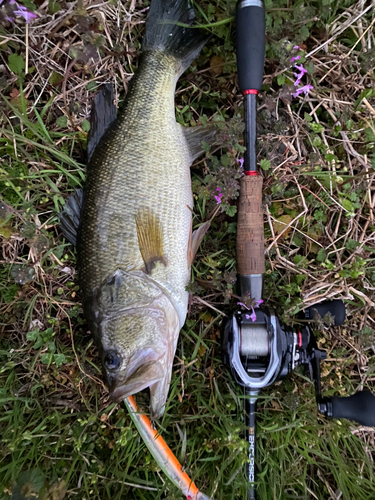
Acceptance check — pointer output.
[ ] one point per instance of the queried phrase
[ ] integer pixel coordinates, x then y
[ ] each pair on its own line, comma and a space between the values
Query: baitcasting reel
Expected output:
260, 352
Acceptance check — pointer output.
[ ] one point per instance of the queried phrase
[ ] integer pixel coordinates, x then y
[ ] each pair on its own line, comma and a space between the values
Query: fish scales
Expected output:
135, 243
143, 162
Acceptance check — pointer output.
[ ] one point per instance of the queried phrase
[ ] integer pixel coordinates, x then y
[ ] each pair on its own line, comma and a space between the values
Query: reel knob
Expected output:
335, 308
360, 407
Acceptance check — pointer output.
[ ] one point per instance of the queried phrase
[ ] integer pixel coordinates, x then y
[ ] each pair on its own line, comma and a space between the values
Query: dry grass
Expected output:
319, 220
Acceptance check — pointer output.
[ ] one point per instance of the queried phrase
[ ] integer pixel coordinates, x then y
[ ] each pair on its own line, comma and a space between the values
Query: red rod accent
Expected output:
250, 91
299, 339
250, 172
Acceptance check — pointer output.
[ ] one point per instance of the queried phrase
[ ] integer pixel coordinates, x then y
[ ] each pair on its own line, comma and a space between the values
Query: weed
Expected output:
61, 436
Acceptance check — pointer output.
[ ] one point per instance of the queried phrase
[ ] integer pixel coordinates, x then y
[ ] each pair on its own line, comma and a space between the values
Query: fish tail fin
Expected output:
164, 32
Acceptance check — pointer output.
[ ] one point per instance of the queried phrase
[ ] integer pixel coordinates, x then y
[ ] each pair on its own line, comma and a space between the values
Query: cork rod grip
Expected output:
250, 231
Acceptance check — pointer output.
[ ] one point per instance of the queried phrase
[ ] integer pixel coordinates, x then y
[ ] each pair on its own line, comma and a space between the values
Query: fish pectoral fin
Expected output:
195, 240
196, 135
70, 216
150, 239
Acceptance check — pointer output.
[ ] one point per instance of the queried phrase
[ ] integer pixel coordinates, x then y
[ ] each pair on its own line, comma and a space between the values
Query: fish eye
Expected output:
112, 361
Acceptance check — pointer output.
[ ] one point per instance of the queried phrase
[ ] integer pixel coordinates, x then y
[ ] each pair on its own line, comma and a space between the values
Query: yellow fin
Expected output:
195, 240
150, 239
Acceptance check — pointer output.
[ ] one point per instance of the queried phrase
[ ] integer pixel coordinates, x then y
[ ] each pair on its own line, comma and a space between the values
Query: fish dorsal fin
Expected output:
195, 240
103, 114
196, 135
150, 239
71, 215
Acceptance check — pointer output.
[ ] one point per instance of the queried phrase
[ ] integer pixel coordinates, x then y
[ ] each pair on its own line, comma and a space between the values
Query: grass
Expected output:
61, 436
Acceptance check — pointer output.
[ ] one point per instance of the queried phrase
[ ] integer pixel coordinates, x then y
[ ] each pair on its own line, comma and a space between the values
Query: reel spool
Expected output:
258, 352
261, 352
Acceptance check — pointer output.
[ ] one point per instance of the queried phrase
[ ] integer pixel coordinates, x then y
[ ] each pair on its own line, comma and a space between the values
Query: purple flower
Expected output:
25, 13
243, 305
18, 10
240, 162
299, 75
295, 58
219, 196
303, 90
296, 47
300, 68
253, 315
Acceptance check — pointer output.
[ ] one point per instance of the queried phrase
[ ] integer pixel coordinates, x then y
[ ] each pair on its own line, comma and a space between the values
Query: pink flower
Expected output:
253, 315
301, 69
299, 75
219, 196
25, 13
19, 10
303, 90
295, 58
243, 305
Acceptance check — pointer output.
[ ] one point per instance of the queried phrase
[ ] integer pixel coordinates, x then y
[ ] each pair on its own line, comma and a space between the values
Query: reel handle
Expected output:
360, 407
335, 307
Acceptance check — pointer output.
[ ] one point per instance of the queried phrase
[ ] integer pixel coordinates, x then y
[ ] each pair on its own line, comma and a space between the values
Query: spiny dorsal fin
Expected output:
71, 215
150, 239
196, 135
103, 114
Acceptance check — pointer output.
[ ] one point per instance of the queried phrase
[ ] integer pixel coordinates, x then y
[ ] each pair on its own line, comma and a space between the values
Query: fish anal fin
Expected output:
70, 216
196, 135
103, 114
150, 239
195, 240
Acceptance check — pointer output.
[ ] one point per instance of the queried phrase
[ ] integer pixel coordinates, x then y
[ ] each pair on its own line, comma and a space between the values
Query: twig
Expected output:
344, 27
207, 304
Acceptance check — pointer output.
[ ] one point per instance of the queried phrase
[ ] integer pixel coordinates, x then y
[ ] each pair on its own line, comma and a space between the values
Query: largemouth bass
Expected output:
135, 242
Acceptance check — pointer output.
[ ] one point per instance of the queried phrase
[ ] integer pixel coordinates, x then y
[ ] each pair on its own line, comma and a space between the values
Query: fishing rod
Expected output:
258, 349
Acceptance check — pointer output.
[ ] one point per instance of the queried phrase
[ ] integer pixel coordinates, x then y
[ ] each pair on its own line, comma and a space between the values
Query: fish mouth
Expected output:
145, 376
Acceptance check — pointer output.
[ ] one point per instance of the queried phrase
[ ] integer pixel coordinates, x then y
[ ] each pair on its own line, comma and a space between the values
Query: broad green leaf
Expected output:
33, 335
62, 121
16, 64
59, 359
46, 358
